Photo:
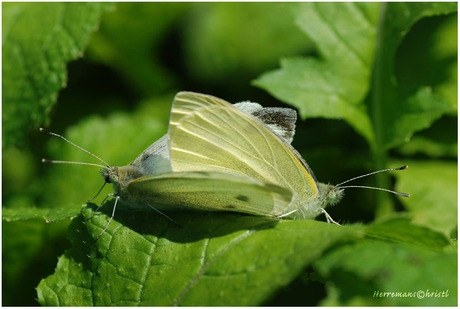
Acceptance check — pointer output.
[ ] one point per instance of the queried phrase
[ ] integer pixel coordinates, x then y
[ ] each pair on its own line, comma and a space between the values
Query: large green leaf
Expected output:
335, 85
355, 80
355, 42
215, 259
385, 274
35, 51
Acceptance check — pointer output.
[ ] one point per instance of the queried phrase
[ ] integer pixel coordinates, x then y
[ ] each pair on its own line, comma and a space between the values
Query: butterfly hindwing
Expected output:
211, 191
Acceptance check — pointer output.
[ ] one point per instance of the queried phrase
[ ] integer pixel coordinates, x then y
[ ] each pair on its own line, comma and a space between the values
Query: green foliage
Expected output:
145, 260
388, 70
35, 52
29, 251
216, 39
354, 79
341, 78
129, 40
358, 273
347, 35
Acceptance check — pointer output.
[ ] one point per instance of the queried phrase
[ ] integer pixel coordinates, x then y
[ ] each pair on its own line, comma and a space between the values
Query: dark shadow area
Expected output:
303, 291
194, 225
19, 290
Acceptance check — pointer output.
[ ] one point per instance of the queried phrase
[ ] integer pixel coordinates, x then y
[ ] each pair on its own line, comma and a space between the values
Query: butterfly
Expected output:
218, 156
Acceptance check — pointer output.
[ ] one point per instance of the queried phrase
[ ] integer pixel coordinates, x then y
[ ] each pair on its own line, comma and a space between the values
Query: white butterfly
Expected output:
223, 157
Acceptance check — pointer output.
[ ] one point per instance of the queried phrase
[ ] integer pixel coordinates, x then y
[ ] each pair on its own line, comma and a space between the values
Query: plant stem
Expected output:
381, 93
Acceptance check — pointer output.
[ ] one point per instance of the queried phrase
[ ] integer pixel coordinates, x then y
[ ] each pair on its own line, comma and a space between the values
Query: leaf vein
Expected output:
147, 268
231, 244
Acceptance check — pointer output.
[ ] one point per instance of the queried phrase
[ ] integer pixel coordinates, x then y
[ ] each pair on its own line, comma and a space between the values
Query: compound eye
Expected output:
107, 179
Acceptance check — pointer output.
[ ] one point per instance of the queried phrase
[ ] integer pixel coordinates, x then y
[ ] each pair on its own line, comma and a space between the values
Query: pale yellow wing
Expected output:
210, 134
189, 102
211, 191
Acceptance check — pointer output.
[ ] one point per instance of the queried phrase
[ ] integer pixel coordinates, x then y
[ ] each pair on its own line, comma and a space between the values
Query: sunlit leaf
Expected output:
35, 51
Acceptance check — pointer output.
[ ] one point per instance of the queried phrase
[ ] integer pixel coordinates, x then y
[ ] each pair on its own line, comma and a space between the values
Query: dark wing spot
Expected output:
230, 206
242, 198
144, 157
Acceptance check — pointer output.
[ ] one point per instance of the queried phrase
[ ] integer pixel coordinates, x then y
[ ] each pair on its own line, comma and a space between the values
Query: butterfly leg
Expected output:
100, 205
97, 192
286, 214
328, 217
110, 220
163, 214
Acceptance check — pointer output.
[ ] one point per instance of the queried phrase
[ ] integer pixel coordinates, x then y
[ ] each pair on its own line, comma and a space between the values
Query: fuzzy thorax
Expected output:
120, 177
328, 195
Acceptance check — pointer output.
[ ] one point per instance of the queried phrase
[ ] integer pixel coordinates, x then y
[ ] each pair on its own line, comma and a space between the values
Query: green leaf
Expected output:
428, 56
336, 85
399, 230
354, 77
360, 274
390, 107
35, 53
418, 112
215, 259
47, 214
433, 188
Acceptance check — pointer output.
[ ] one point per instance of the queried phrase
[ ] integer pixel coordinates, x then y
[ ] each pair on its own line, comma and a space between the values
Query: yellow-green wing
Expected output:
212, 191
209, 134
188, 102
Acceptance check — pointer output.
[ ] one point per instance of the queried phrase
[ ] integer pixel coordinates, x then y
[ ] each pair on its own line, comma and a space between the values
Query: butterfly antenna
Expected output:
82, 149
71, 162
381, 189
376, 172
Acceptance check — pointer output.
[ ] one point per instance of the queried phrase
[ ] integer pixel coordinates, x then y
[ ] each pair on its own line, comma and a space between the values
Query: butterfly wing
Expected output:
155, 159
280, 120
210, 134
212, 191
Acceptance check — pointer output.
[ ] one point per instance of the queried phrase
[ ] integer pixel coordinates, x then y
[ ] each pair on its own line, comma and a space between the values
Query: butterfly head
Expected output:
110, 174
331, 194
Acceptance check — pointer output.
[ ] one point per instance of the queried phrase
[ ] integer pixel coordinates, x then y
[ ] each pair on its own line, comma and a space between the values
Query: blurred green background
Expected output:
113, 93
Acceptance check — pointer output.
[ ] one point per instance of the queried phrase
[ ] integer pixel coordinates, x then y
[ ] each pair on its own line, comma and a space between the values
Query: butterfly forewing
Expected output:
212, 191
188, 102
213, 135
